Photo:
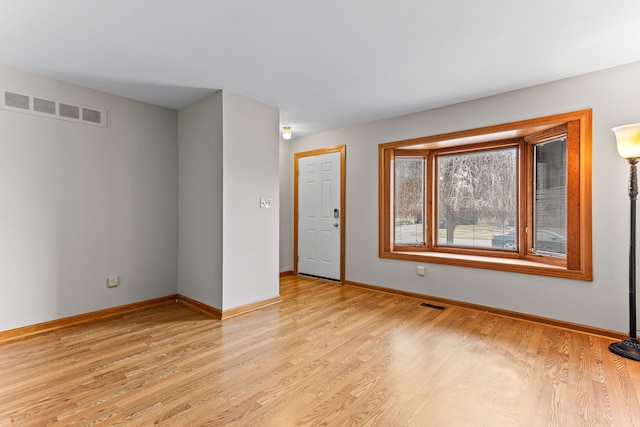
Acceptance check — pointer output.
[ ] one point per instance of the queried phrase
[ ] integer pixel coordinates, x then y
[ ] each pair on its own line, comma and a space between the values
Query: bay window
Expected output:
514, 197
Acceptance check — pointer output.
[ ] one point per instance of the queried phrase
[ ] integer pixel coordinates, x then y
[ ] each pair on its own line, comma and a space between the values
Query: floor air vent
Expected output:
55, 109
437, 307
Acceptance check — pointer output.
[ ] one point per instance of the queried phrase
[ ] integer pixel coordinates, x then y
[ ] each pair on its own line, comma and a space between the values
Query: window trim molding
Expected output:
579, 268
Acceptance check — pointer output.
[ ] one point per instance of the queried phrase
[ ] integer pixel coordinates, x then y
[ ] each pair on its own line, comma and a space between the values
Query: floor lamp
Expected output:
628, 140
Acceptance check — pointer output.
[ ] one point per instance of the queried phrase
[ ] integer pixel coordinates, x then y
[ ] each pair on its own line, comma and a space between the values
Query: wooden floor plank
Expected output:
328, 355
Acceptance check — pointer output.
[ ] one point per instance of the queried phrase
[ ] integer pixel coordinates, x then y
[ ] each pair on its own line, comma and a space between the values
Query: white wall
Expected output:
250, 234
79, 203
200, 201
614, 96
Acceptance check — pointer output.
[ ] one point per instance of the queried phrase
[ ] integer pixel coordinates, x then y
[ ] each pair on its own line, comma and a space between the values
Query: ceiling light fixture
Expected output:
286, 132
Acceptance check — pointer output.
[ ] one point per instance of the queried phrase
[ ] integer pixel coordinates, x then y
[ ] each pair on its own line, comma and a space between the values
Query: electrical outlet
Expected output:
420, 270
113, 281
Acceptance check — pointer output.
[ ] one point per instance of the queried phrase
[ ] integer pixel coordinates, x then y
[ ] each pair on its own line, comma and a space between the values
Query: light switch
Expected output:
265, 203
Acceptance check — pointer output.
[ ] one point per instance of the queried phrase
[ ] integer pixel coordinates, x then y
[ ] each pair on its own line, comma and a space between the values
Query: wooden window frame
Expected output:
526, 133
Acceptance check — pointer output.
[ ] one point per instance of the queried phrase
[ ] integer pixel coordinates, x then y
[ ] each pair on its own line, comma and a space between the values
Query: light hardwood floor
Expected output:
327, 355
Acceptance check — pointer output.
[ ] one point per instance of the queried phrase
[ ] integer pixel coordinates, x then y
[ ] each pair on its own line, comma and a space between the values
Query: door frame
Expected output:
342, 149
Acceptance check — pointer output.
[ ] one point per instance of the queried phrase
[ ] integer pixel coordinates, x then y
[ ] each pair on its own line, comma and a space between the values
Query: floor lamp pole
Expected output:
630, 348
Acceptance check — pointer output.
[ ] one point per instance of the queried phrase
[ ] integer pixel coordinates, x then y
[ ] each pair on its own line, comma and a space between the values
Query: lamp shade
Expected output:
286, 132
628, 140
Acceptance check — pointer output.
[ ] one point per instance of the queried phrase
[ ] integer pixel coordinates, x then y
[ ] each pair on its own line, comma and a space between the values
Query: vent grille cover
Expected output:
15, 100
44, 106
437, 307
63, 110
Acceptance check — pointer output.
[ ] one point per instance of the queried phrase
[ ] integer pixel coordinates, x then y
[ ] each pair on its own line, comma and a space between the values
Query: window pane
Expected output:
550, 202
409, 200
477, 199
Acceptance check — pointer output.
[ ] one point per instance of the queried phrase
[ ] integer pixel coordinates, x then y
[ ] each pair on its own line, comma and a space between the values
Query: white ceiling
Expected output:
325, 64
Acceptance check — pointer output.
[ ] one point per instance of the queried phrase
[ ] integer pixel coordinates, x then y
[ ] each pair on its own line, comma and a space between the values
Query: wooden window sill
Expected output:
516, 265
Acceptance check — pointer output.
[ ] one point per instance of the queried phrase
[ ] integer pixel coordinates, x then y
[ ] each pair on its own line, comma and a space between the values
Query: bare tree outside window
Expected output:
477, 198
409, 200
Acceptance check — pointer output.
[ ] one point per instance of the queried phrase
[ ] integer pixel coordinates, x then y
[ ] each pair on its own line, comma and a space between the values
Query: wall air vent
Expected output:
44, 106
15, 100
56, 109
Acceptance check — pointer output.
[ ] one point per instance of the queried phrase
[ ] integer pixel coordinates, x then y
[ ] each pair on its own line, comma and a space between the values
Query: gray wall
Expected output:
286, 206
614, 96
167, 200
79, 203
228, 161
250, 234
200, 201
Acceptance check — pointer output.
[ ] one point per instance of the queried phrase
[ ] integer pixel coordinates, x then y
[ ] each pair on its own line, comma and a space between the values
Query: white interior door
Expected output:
319, 215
